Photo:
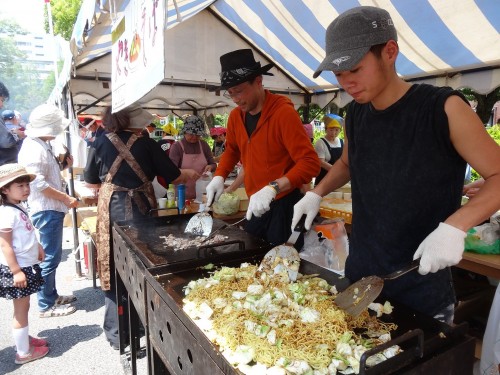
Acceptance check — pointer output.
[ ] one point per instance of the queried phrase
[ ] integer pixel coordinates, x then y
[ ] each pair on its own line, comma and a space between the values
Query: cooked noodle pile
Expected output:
314, 342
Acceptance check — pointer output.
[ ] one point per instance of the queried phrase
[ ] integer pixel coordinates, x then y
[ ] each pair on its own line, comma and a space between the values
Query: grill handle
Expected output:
417, 351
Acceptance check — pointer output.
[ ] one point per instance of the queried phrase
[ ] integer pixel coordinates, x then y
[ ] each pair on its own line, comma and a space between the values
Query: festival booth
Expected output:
444, 43
165, 55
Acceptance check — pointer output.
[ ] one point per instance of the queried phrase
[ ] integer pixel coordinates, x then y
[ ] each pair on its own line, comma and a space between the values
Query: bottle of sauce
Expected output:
170, 196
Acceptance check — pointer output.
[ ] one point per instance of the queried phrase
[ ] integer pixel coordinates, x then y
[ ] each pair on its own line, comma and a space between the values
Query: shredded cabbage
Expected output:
228, 204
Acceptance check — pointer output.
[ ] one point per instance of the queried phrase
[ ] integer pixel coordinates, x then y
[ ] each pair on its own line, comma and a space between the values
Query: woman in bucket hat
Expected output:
218, 134
48, 201
265, 132
193, 152
122, 165
20, 273
329, 148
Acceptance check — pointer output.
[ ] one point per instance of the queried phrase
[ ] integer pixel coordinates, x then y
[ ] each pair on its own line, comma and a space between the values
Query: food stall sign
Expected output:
138, 61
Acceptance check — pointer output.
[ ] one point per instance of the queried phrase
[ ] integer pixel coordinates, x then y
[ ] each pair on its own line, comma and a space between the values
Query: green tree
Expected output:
485, 103
221, 119
314, 112
64, 13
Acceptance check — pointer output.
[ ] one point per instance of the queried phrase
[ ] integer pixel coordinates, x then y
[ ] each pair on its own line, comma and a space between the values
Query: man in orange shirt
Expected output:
265, 132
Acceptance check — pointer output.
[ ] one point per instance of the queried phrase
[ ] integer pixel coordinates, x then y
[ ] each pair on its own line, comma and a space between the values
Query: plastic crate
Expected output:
331, 213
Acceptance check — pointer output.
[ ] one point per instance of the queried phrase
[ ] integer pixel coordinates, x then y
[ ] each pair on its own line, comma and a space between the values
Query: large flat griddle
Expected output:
144, 237
427, 343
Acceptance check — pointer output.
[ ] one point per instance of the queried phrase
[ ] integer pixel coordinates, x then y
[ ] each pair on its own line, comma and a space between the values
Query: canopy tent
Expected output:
452, 43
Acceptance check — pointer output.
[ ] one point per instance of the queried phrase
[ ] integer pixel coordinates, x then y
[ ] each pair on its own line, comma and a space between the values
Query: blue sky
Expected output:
27, 13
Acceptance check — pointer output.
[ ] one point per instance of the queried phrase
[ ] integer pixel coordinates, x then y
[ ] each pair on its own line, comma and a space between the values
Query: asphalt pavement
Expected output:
77, 342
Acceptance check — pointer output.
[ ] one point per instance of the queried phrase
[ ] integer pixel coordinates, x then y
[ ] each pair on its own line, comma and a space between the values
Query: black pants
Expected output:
110, 325
275, 225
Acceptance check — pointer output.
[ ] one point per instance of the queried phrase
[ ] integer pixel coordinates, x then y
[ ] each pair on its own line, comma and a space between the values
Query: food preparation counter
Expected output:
487, 265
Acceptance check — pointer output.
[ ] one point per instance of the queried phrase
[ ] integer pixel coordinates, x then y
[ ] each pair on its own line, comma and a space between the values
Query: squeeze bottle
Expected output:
181, 196
170, 196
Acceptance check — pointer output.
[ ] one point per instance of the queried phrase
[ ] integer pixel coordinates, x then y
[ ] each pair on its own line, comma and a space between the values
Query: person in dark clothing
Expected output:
122, 164
218, 134
92, 130
405, 150
9, 144
168, 138
329, 148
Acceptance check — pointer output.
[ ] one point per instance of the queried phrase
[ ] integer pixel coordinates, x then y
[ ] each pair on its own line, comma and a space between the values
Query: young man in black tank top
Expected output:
405, 151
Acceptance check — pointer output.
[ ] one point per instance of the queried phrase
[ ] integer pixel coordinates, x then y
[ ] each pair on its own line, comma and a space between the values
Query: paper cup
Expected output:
162, 203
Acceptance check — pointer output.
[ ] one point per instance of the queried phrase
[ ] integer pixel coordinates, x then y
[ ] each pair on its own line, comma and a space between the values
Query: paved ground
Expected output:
77, 342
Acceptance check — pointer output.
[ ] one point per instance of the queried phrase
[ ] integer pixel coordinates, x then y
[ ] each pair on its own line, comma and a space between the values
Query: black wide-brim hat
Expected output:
240, 66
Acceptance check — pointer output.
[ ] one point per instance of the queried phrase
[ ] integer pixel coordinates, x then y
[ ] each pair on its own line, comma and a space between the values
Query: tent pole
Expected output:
76, 241
326, 105
71, 187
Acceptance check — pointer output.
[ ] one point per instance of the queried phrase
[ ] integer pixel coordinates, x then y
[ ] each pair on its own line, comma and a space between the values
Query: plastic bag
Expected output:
484, 239
327, 245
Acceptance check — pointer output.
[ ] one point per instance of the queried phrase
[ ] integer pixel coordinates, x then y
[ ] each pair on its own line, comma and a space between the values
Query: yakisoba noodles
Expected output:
314, 342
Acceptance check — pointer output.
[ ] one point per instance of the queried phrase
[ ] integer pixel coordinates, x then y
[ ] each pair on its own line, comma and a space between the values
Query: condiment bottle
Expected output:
170, 196
181, 196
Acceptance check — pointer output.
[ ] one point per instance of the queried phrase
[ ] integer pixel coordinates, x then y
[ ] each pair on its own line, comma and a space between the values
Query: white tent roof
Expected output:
453, 43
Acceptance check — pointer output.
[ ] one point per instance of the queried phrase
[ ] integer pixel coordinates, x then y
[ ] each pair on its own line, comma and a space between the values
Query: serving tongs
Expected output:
359, 295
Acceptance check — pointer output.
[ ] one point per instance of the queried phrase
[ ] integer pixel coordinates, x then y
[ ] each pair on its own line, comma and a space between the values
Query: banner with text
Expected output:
137, 52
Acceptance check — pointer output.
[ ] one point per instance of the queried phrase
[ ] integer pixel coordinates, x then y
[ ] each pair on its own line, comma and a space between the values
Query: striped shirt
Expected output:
38, 158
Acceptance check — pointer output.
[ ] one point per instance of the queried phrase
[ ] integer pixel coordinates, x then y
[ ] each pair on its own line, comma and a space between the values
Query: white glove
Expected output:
214, 188
309, 205
442, 248
260, 202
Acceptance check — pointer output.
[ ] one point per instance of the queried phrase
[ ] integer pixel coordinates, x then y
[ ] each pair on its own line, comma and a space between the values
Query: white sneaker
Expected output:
61, 310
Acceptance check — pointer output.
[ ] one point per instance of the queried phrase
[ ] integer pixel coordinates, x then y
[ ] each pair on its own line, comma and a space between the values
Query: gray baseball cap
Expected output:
351, 35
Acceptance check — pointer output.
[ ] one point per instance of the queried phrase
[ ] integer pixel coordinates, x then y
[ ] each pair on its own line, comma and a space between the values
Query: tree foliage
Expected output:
64, 13
485, 103
26, 88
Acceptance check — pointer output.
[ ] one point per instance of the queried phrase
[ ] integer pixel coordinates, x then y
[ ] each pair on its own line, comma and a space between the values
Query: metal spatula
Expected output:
284, 259
200, 224
281, 260
359, 295
223, 227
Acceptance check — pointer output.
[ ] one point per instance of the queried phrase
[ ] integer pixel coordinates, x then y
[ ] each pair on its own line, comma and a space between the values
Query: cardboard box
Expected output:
243, 198
82, 213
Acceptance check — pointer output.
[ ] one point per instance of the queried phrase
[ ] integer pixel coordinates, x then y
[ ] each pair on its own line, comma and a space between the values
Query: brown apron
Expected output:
106, 191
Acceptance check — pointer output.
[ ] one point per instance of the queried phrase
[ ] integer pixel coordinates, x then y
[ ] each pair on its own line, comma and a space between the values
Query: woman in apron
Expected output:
122, 165
193, 152
329, 148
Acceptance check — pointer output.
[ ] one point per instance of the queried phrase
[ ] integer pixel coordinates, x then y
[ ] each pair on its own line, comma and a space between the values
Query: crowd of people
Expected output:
404, 149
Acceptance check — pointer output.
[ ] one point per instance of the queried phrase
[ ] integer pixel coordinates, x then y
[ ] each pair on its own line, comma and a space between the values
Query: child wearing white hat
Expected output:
20, 273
